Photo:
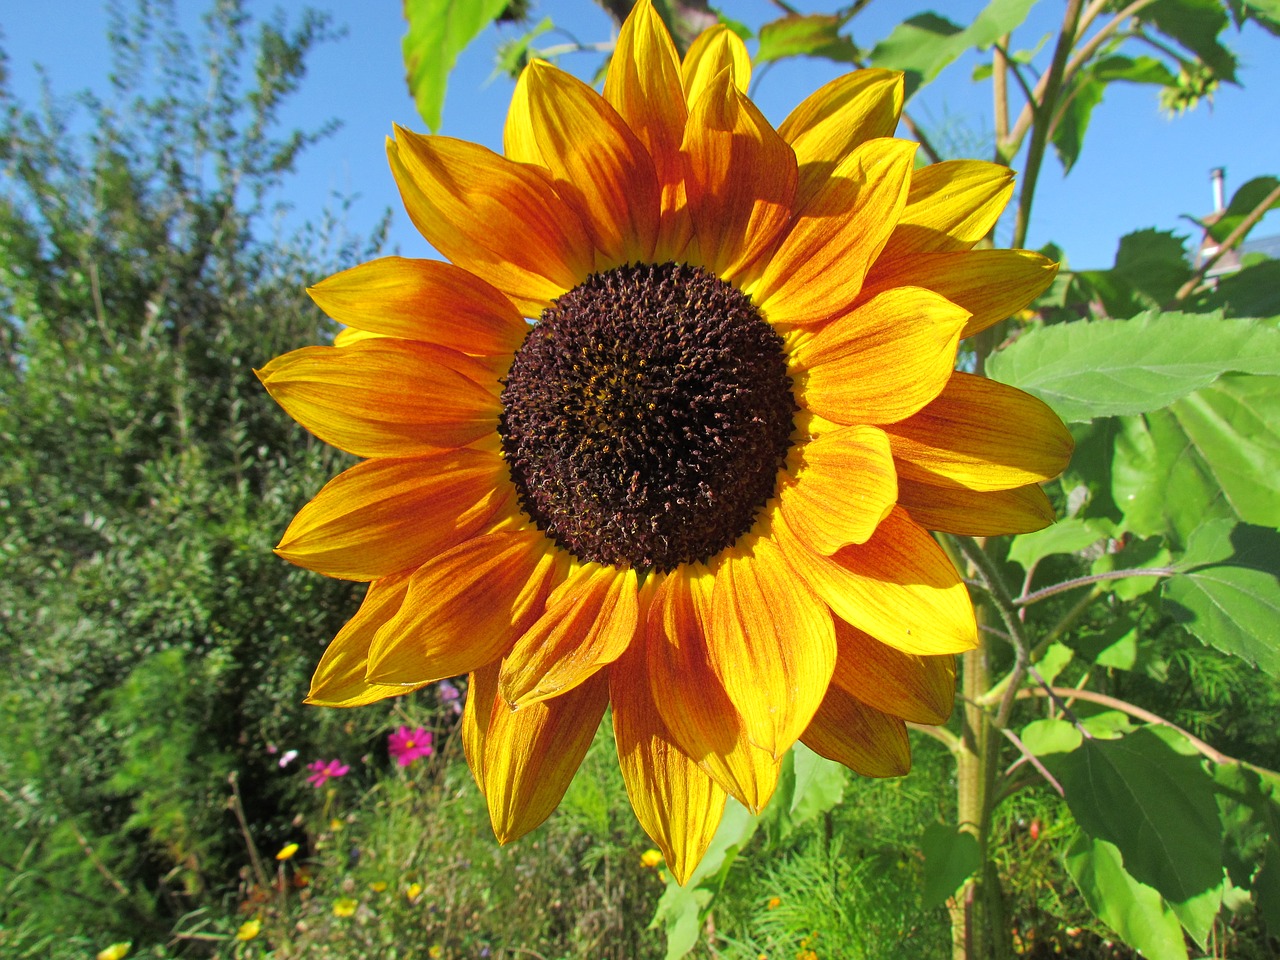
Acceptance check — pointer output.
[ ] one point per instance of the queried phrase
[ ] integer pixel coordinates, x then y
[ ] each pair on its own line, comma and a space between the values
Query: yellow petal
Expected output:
772, 644
531, 754
466, 607
898, 586
976, 513
742, 178
952, 205
837, 117
919, 689
383, 516
678, 805
865, 740
596, 162
482, 695
381, 398
423, 300
843, 488
817, 271
982, 435
498, 219
715, 49
644, 86
884, 360
349, 335
589, 620
691, 700
991, 284
339, 680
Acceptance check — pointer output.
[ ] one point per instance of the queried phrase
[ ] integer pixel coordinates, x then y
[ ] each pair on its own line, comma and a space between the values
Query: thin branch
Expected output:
1004, 603
1217, 756
1032, 759
1233, 240
1000, 94
1057, 588
101, 867
925, 144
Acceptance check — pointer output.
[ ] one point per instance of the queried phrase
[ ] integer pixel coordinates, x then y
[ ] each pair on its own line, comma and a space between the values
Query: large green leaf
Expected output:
1065, 536
1243, 201
923, 45
810, 35
1195, 25
1116, 367
438, 31
1137, 913
950, 858
1154, 803
1211, 455
1253, 291
1228, 593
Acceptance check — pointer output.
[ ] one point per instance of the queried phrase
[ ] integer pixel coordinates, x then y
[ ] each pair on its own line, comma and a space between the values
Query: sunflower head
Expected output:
667, 431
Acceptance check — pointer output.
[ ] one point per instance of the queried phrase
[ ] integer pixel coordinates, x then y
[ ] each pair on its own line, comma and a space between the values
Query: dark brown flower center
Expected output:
646, 417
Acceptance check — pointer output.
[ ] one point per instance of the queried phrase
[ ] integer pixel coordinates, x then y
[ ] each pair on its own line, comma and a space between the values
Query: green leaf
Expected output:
1253, 291
811, 35
438, 31
1154, 803
1116, 367
819, 784
1133, 70
950, 858
1047, 737
1266, 888
1054, 661
1065, 536
514, 55
1243, 202
1082, 93
1228, 594
1195, 25
925, 44
1135, 554
1136, 912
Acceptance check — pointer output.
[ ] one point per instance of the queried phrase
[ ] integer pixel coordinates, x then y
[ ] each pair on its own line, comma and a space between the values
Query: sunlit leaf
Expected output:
1065, 536
809, 35
1243, 202
1194, 25
438, 31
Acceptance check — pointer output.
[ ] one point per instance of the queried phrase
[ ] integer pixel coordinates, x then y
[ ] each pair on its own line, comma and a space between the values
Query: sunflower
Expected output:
698, 488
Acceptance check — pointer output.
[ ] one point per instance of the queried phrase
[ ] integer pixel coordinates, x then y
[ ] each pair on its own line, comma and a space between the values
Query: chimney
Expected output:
1218, 175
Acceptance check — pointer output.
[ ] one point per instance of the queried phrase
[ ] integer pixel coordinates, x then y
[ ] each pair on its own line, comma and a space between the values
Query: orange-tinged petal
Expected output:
644, 86
381, 398
981, 434
952, 205
423, 300
589, 620
772, 644
339, 680
499, 219
919, 689
865, 740
677, 804
991, 284
837, 117
482, 695
691, 700
742, 178
532, 753
884, 360
383, 516
818, 269
844, 486
597, 163
466, 607
898, 586
976, 513
715, 49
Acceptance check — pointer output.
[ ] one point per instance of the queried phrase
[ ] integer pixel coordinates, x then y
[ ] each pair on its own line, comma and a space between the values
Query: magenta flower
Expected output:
449, 696
324, 770
407, 745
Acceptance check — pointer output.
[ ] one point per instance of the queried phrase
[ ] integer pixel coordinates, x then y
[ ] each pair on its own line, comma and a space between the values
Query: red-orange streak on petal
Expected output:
919, 689
983, 435
466, 607
689, 695
532, 753
381, 398
865, 740
383, 516
498, 219
589, 620
598, 164
742, 178
771, 643
423, 300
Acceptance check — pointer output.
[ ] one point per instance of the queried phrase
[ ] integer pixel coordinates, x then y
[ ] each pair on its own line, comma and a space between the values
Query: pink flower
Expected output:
323, 770
449, 696
408, 745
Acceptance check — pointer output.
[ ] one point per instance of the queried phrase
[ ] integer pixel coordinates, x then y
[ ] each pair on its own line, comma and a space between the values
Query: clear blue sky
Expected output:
1139, 168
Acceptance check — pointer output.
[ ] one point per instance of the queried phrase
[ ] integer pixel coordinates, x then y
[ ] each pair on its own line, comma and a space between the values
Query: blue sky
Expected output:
1139, 168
